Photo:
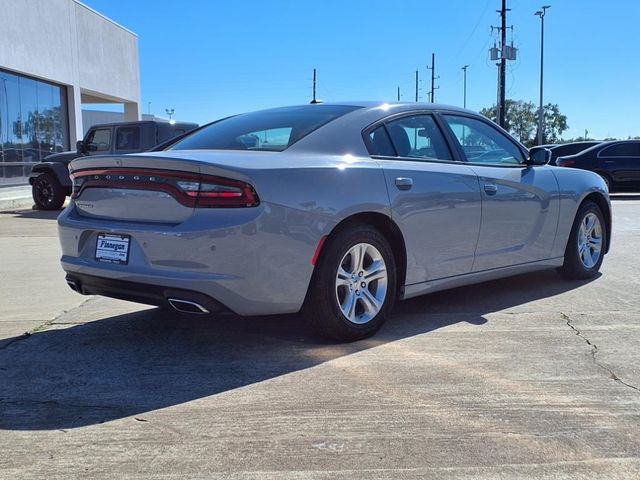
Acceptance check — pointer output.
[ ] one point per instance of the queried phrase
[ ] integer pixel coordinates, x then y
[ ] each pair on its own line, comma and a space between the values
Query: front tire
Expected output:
47, 192
354, 285
585, 248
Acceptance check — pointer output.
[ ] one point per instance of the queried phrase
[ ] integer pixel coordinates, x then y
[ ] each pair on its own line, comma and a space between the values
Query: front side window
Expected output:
99, 140
482, 143
631, 149
267, 130
128, 138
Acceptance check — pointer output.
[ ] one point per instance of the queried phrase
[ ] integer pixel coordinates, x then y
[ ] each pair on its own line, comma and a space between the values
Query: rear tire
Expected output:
354, 285
585, 248
47, 192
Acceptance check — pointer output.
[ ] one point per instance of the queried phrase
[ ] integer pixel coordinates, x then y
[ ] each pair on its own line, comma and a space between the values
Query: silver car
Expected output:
337, 209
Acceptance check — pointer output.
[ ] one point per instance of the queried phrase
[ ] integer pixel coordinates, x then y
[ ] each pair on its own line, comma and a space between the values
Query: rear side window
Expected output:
381, 143
128, 138
631, 149
267, 130
415, 136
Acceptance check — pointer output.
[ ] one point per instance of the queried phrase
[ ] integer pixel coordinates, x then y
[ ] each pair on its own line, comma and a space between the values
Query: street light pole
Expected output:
464, 101
541, 14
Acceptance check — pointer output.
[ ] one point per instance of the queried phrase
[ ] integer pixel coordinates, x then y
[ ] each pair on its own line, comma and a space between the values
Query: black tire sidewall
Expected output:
573, 267
57, 194
323, 307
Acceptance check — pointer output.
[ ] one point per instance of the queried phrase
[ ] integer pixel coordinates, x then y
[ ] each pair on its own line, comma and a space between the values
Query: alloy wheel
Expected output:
361, 283
590, 240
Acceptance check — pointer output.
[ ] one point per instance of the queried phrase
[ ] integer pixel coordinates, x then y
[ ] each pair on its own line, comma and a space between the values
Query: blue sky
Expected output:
211, 58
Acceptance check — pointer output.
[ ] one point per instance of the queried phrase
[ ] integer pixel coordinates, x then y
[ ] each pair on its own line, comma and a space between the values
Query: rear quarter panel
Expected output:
304, 199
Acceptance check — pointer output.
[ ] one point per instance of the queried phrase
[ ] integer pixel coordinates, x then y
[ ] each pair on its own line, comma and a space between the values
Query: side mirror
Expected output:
80, 147
92, 147
539, 156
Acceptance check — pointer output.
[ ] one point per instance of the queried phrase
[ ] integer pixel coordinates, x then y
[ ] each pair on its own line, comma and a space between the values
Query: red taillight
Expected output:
189, 189
565, 162
223, 192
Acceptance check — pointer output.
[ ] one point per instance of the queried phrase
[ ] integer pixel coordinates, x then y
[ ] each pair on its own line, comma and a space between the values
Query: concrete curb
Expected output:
14, 198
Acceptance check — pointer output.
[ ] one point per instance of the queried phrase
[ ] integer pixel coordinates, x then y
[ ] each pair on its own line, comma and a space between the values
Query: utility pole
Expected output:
416, 85
503, 63
541, 14
501, 55
433, 77
464, 96
398, 93
170, 112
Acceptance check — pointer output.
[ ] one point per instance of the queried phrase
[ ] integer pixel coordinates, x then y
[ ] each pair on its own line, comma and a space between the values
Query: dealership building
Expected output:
55, 56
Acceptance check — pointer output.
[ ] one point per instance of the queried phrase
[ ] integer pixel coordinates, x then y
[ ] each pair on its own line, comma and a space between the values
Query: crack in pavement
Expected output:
594, 351
43, 326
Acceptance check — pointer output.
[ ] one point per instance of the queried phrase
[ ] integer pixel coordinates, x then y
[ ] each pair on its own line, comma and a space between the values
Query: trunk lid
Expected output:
150, 188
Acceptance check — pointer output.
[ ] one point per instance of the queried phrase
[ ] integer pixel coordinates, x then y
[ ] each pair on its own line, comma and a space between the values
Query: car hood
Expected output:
63, 157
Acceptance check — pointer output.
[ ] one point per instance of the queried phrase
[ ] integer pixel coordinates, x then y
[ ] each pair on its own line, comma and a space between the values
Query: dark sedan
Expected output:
564, 149
617, 162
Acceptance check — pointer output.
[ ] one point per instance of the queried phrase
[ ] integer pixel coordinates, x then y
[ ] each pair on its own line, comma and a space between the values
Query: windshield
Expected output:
270, 130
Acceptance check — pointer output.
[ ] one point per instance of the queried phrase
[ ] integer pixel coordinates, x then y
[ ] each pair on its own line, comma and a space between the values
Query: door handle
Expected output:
404, 183
490, 188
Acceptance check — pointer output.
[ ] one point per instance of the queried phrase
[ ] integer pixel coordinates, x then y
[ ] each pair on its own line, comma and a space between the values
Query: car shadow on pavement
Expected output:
116, 367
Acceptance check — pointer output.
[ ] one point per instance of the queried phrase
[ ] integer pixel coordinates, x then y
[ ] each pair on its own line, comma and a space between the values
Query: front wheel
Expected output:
585, 248
354, 285
47, 192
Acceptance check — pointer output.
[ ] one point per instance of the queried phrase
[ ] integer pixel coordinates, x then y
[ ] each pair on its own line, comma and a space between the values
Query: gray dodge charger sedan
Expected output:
337, 209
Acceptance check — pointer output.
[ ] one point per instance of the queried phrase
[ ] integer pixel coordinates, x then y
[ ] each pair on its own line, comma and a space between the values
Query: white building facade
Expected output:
56, 55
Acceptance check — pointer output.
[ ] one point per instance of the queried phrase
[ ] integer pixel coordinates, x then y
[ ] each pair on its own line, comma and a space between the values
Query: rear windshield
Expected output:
271, 130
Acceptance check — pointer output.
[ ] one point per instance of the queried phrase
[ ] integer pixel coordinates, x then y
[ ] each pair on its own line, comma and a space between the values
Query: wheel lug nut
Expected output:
363, 285
360, 274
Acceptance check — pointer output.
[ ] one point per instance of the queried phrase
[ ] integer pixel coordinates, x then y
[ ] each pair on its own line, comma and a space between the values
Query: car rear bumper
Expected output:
244, 261
142, 293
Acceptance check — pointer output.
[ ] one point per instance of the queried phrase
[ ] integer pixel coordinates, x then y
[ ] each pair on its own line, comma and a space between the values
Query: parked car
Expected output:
617, 162
50, 182
565, 149
336, 209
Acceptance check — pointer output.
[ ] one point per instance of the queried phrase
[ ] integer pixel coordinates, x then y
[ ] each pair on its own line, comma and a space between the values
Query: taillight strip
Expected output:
237, 194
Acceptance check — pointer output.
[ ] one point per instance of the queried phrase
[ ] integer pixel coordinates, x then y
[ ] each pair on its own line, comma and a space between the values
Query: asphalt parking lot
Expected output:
529, 377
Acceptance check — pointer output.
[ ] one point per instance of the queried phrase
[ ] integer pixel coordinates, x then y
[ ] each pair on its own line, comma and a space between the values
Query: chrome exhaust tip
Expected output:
186, 306
74, 285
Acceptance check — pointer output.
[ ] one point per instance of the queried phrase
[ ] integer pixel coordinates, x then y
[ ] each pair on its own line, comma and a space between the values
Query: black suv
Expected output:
49, 179
618, 162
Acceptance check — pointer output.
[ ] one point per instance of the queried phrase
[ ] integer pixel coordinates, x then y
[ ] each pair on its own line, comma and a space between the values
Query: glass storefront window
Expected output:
33, 124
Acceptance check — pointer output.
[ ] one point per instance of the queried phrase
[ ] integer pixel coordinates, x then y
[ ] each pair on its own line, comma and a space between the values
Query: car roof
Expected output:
142, 122
396, 106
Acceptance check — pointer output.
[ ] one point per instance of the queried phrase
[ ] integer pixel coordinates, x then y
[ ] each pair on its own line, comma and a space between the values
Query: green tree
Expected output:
521, 120
554, 124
